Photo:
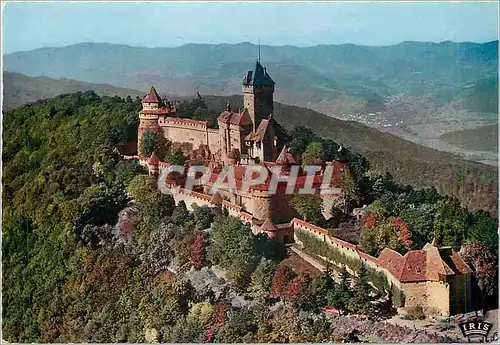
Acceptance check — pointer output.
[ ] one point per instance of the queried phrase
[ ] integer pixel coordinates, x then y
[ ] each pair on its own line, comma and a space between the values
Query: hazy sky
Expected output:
34, 25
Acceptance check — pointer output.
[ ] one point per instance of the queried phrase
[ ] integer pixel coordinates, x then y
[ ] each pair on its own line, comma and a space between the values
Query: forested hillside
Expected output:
93, 252
482, 138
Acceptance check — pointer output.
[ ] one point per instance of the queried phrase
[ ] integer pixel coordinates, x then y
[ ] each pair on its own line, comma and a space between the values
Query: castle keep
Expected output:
435, 278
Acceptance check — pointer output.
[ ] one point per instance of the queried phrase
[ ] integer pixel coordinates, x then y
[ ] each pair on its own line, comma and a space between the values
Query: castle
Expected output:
435, 278
249, 134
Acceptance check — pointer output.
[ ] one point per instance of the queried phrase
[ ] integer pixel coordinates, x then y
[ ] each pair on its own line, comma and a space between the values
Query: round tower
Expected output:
261, 204
152, 108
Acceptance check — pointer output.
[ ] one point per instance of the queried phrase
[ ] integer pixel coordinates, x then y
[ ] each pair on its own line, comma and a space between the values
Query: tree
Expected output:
197, 251
450, 222
157, 256
331, 150
240, 327
391, 232
483, 230
99, 206
148, 198
420, 221
232, 248
361, 301
321, 287
175, 156
283, 275
153, 142
126, 170
309, 207
261, 279
299, 292
342, 293
485, 264
203, 216
268, 248
336, 215
301, 137
313, 154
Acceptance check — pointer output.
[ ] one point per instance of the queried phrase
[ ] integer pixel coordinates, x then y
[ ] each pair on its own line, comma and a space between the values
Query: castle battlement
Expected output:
179, 121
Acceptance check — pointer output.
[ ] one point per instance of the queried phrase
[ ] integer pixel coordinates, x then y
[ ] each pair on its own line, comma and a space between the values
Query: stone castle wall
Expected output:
434, 297
182, 131
214, 140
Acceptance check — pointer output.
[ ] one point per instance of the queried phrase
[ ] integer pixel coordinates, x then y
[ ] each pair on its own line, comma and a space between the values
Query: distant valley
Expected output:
418, 91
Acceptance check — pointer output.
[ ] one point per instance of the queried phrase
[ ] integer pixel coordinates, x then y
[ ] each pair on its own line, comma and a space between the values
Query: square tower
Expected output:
258, 89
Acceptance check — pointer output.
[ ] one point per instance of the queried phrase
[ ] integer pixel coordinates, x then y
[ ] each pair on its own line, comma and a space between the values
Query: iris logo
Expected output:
475, 327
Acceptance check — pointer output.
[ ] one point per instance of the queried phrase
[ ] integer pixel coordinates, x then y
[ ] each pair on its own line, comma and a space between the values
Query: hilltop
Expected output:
475, 184
415, 90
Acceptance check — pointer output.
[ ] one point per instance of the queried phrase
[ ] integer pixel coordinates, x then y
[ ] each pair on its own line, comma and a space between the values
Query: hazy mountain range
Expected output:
416, 90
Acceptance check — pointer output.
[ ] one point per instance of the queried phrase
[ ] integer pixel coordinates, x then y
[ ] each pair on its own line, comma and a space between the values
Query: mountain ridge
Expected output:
446, 42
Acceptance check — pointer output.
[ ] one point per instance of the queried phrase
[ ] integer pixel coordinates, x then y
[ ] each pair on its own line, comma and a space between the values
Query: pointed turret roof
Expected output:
153, 160
152, 96
268, 225
216, 199
258, 77
285, 157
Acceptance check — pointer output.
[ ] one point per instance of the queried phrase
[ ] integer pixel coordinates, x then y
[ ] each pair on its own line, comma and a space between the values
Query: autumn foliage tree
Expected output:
196, 252
378, 234
283, 275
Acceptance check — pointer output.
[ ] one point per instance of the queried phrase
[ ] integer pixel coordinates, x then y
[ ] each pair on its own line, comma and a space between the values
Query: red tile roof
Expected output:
216, 199
152, 96
268, 225
454, 261
436, 267
429, 263
285, 156
259, 133
241, 119
414, 266
153, 160
201, 196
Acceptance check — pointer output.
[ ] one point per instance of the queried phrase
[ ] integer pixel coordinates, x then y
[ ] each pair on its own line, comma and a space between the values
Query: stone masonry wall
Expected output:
185, 134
